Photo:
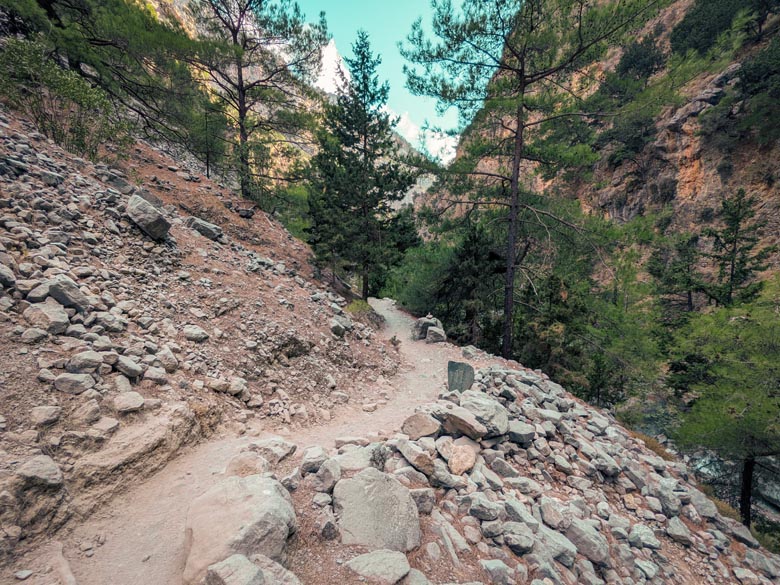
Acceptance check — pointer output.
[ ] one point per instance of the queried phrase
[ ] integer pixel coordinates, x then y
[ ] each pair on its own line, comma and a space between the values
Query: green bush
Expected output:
63, 105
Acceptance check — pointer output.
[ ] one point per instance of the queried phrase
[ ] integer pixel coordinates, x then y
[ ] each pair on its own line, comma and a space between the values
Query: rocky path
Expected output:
138, 537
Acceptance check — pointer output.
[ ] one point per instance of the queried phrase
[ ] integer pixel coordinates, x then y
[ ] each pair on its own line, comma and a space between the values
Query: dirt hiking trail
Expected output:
142, 530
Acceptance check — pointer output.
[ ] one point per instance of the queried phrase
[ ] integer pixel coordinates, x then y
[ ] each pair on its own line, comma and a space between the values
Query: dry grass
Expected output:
724, 508
654, 446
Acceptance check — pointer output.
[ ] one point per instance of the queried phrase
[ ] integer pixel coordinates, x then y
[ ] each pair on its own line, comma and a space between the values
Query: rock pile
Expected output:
516, 477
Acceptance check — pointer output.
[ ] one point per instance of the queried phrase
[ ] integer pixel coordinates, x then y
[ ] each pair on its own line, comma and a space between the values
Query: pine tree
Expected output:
733, 250
355, 177
495, 62
261, 51
738, 413
674, 266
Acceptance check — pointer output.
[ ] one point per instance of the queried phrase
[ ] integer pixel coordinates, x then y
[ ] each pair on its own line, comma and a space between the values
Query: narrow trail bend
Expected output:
143, 528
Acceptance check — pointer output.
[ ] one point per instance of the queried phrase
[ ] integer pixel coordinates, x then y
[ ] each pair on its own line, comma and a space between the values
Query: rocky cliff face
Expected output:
141, 308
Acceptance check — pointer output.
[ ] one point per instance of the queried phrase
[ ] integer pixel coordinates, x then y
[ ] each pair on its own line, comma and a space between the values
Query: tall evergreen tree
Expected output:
734, 253
261, 51
494, 61
738, 412
674, 267
355, 176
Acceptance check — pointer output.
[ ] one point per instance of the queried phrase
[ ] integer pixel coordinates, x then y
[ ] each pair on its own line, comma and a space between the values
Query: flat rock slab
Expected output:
384, 567
377, 511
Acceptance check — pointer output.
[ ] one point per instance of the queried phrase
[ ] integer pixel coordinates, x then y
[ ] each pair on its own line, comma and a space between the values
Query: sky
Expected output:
387, 22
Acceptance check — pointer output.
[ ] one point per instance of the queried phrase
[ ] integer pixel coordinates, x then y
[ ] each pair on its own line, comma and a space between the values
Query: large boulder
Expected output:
375, 510
240, 515
148, 218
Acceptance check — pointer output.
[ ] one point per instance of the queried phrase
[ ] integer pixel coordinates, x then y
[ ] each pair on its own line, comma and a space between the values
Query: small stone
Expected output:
127, 402
327, 476
195, 333
22, 575
45, 415
34, 335
128, 367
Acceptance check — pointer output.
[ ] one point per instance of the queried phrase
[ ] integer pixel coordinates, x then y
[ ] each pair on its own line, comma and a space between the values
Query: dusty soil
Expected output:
138, 537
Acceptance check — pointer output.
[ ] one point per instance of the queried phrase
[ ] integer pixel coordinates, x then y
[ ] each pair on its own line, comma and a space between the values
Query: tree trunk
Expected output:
511, 239
243, 133
746, 490
365, 283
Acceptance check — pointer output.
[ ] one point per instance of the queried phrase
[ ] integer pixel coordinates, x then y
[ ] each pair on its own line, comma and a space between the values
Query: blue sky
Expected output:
387, 22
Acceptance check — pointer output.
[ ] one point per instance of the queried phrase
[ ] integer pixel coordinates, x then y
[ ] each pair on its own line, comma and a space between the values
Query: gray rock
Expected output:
204, 228
415, 577
74, 383
498, 572
167, 360
642, 536
589, 542
377, 511
33, 335
554, 545
435, 335
313, 457
703, 505
7, 277
128, 367
460, 376
234, 570
195, 333
457, 420
148, 218
384, 567
327, 476
275, 574
424, 498
67, 292
42, 416
240, 515
156, 375
41, 471
127, 402
48, 315
678, 531
415, 455
518, 537
483, 509
274, 449
421, 326
420, 425
489, 412
521, 433
85, 362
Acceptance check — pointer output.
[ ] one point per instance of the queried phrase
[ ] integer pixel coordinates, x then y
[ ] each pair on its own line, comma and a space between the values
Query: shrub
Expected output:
63, 105
654, 445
